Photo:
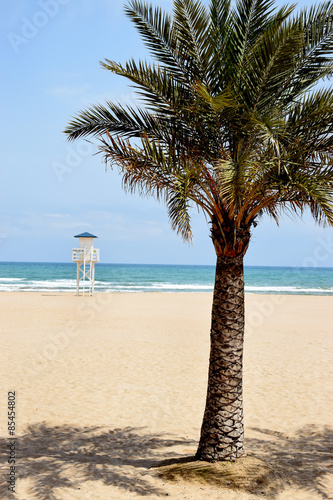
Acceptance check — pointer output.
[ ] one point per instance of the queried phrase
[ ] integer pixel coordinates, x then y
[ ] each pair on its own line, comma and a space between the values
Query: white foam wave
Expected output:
164, 286
37, 285
27, 289
51, 284
69, 285
286, 289
12, 279
161, 286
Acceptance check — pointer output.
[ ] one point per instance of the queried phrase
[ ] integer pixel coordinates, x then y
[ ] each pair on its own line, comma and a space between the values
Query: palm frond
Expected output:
178, 206
192, 28
220, 13
250, 19
269, 65
219, 102
113, 118
311, 118
158, 87
156, 30
316, 194
315, 61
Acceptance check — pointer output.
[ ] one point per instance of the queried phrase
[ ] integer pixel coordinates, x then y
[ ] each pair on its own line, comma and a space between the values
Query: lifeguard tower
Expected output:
85, 257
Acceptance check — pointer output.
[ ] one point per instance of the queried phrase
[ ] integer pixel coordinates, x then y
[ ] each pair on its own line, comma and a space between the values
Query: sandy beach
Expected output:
108, 387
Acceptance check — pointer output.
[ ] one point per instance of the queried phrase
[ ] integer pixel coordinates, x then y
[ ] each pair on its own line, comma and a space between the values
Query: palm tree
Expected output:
232, 122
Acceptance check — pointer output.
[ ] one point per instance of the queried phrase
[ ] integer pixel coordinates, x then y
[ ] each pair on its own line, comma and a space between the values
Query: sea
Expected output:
61, 277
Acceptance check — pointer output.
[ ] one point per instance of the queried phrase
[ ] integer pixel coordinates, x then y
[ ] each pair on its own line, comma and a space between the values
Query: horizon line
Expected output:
170, 265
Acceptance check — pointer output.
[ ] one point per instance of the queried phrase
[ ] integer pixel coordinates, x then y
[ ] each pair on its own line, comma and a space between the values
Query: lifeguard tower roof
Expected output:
85, 235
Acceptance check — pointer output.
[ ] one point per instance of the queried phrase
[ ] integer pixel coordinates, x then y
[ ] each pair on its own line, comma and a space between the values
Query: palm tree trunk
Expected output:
222, 432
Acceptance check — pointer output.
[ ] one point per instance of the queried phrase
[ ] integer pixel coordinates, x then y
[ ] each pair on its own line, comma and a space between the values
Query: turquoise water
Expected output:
48, 277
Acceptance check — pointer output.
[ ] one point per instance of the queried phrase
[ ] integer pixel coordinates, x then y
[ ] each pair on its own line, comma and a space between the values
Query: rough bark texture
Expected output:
222, 432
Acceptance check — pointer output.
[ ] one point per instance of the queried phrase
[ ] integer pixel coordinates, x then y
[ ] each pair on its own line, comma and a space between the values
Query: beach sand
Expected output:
108, 387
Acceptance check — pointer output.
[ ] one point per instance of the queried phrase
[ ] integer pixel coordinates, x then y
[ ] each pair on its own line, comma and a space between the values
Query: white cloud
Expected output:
71, 224
57, 216
68, 90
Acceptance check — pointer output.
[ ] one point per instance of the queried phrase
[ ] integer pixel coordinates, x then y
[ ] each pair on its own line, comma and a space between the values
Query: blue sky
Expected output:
52, 190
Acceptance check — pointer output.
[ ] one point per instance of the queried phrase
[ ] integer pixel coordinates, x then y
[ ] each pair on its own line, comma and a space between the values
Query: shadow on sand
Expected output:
304, 460
66, 457
274, 462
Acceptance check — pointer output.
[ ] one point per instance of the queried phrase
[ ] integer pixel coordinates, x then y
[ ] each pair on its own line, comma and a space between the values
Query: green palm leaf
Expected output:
155, 28
225, 122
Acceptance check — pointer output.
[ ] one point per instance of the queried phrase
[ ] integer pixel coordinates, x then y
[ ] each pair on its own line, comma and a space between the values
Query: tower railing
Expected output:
85, 258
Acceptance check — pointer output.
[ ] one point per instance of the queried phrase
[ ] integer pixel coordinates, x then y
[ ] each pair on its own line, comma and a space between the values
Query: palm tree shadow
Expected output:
65, 457
304, 460
274, 462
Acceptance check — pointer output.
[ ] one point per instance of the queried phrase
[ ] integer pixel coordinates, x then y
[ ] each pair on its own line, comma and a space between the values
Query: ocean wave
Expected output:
70, 286
162, 286
286, 289
12, 279
50, 284
133, 285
